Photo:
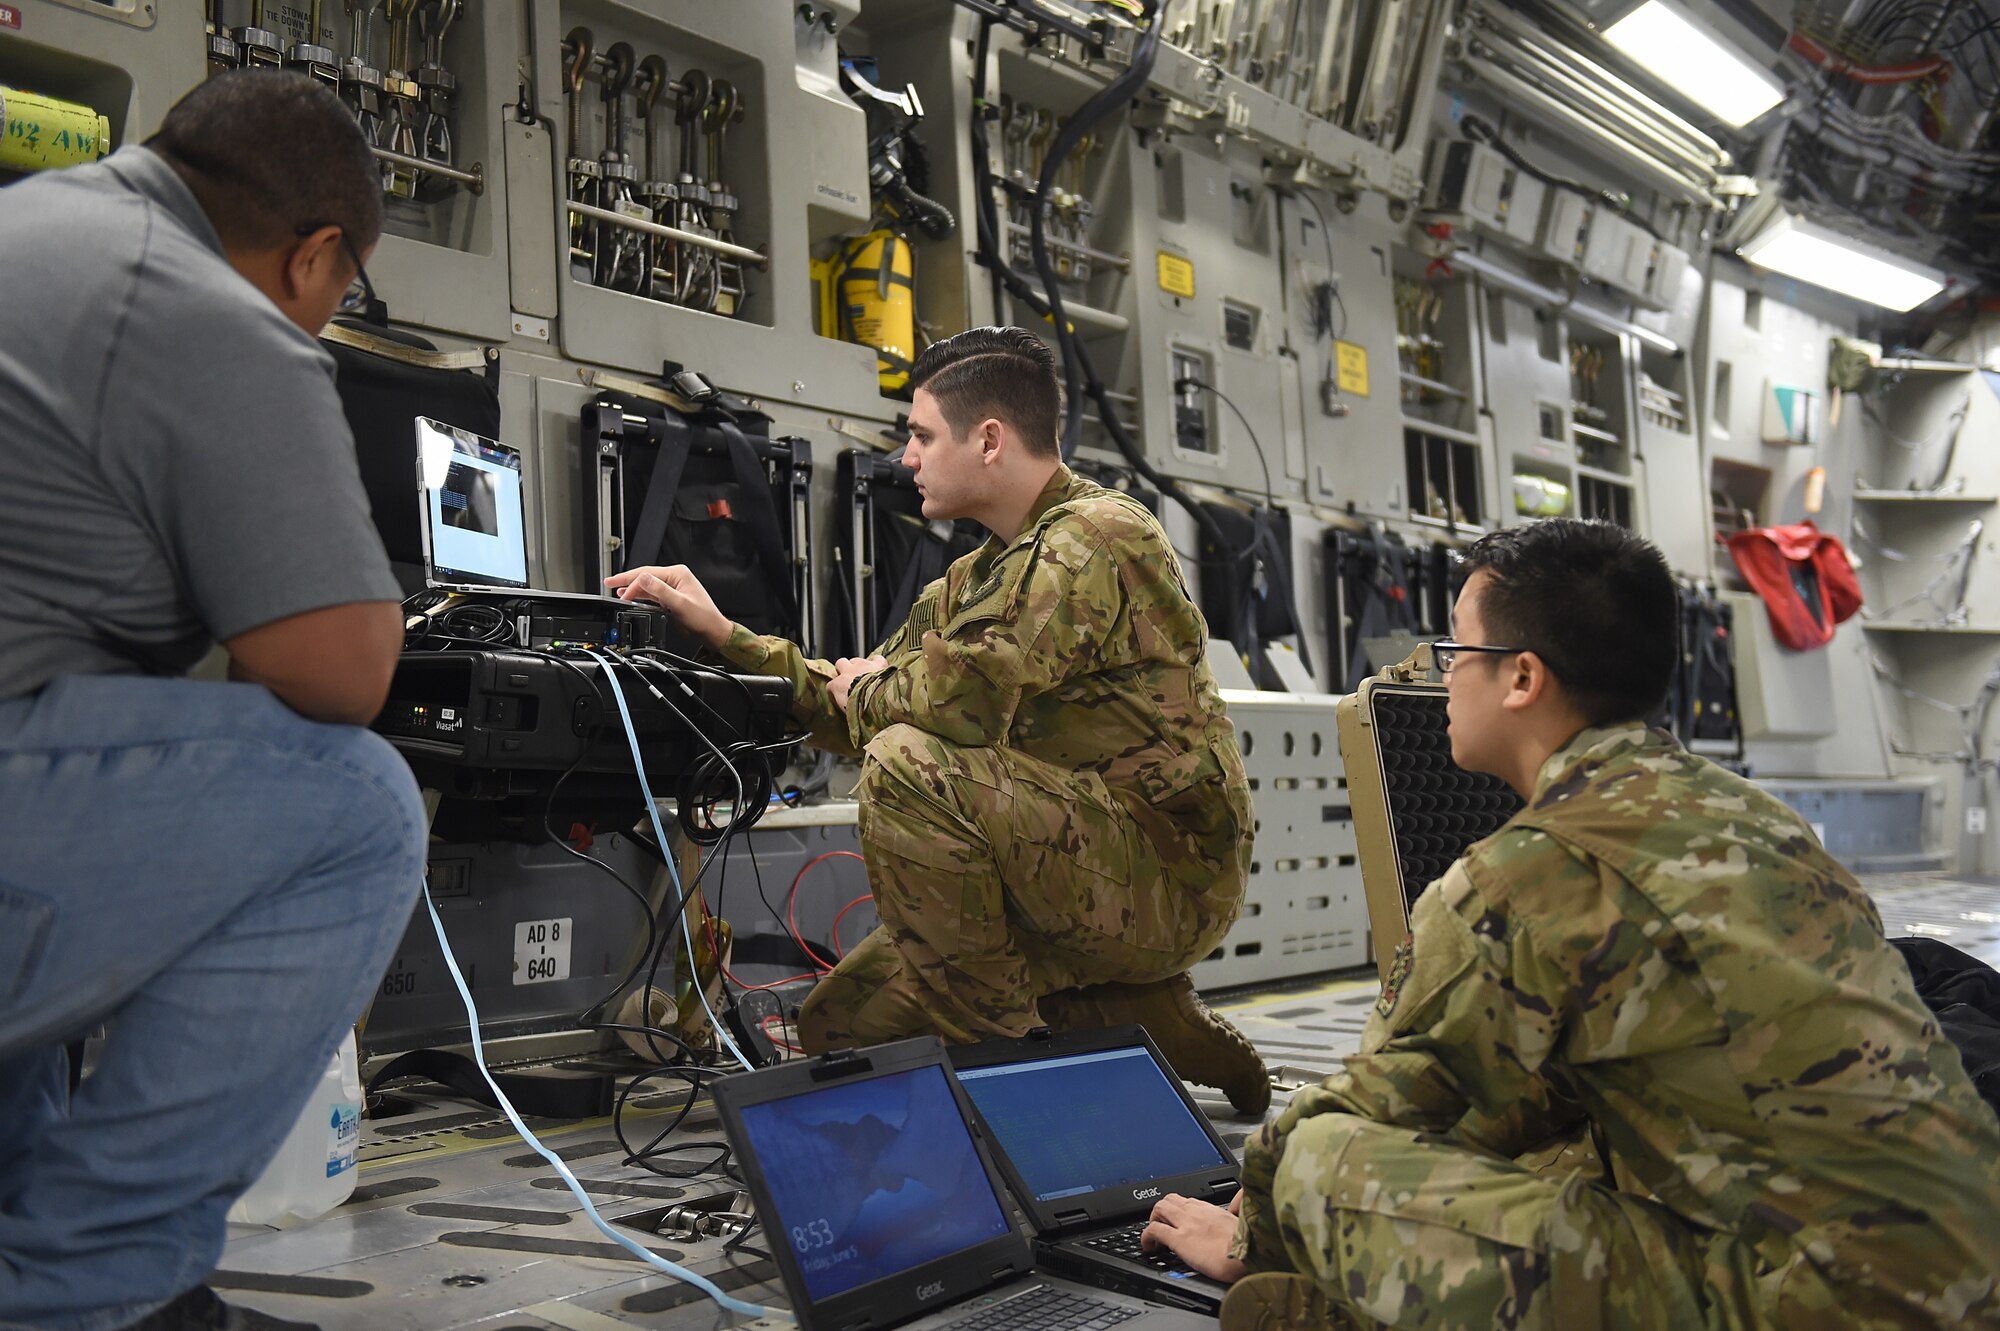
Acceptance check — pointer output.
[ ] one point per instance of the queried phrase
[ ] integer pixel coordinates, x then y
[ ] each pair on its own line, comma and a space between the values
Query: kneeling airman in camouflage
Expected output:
1053, 809
1645, 1060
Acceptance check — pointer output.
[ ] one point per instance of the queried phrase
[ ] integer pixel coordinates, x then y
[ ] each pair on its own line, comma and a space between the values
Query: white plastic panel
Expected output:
1303, 911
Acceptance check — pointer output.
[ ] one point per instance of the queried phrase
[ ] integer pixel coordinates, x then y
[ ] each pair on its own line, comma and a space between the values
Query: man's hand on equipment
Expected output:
1199, 1233
848, 669
677, 591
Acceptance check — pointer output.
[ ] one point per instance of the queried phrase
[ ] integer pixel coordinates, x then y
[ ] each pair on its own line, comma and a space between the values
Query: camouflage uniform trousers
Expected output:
998, 878
1402, 1228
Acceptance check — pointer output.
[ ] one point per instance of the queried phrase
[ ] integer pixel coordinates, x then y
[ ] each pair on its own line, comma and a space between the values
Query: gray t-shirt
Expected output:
174, 465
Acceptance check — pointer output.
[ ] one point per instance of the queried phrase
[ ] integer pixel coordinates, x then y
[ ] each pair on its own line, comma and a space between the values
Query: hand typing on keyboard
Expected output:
1124, 1243
1198, 1232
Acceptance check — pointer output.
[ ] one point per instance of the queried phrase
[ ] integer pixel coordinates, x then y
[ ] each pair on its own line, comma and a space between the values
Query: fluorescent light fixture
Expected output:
1812, 253
1666, 44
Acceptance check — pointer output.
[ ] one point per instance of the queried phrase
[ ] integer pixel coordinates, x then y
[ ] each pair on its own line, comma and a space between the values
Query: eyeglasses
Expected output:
1445, 654
360, 293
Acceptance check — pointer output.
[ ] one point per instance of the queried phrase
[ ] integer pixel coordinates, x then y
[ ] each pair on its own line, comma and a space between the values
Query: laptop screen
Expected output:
1076, 1124
872, 1178
473, 510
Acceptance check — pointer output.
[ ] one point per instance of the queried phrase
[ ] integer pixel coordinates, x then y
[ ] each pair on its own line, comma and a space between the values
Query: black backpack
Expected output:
710, 489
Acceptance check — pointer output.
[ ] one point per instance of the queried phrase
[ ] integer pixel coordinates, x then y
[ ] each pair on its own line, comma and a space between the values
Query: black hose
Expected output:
1007, 282
986, 221
929, 216
1478, 130
1108, 99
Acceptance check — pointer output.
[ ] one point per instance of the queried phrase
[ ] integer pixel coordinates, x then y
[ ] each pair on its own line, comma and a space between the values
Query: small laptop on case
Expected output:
882, 1209
1091, 1128
474, 516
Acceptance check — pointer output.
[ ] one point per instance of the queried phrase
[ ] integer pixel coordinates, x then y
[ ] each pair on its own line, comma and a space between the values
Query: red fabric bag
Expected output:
1803, 577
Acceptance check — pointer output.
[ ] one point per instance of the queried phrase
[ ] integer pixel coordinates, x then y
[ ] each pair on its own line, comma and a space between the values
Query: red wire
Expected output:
708, 922
791, 915
776, 1020
792, 903
1935, 65
775, 984
838, 950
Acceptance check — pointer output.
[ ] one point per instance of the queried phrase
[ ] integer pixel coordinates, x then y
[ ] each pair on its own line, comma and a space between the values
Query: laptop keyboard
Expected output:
1125, 1243
1046, 1308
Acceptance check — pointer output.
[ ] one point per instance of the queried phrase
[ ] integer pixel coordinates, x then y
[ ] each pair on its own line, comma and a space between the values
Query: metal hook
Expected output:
652, 82
617, 69
399, 13
360, 28
691, 97
576, 48
434, 19
723, 105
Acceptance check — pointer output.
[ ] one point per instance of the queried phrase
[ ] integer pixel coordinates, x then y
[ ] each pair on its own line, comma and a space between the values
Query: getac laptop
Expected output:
882, 1209
474, 515
1090, 1129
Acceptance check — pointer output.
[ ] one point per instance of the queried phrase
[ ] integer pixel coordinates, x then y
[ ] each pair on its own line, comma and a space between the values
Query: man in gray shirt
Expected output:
216, 872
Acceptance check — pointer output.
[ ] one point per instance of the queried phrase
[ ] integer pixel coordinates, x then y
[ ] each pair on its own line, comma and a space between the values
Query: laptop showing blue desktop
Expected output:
1090, 1128
882, 1208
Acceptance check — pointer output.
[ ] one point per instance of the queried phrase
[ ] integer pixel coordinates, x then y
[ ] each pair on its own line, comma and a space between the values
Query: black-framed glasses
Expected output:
1445, 654
360, 293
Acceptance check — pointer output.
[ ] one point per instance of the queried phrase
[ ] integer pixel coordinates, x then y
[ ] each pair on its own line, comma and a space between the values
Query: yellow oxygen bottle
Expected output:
878, 303
38, 133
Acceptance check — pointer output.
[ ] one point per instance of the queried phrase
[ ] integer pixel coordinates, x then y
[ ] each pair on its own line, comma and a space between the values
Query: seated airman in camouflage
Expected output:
1745, 1116
1053, 808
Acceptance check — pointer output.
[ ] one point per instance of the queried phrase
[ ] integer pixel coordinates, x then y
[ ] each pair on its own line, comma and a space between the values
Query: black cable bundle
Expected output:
735, 770
1478, 130
1261, 551
726, 760
1076, 356
1109, 98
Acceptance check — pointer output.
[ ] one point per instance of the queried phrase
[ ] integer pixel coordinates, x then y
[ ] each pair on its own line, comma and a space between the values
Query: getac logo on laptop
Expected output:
1092, 1129
930, 1291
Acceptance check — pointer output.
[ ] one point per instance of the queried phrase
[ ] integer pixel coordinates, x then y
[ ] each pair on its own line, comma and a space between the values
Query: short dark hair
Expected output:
268, 153
1008, 374
1596, 602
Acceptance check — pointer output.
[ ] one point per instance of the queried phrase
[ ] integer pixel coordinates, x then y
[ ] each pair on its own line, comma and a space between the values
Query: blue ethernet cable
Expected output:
644, 1254
666, 851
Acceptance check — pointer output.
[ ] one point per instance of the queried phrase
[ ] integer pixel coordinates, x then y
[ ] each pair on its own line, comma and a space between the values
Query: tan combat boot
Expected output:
1278, 1301
1203, 1047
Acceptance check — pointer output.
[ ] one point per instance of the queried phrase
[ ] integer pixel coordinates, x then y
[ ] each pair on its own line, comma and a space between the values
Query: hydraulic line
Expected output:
1115, 94
1007, 282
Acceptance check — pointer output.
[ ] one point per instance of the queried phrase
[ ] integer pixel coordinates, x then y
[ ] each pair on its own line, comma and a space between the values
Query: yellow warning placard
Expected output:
1176, 275
1351, 367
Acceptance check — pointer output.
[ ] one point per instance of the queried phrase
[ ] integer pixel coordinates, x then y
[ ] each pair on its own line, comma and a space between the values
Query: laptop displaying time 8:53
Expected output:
883, 1210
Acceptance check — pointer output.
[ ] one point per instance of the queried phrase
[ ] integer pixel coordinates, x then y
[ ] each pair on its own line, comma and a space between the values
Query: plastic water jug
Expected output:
313, 1171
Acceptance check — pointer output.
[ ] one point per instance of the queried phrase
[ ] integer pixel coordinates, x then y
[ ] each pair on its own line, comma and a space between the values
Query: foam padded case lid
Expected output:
1415, 810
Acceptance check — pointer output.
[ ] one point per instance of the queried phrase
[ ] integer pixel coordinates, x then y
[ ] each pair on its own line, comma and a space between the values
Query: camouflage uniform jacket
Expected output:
1075, 643
1657, 945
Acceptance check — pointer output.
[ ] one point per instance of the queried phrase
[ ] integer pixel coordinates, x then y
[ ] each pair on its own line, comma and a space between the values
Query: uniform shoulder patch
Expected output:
996, 596
988, 587
1398, 976
923, 617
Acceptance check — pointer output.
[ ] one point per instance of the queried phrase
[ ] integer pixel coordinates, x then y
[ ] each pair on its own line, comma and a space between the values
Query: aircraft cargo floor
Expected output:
455, 1223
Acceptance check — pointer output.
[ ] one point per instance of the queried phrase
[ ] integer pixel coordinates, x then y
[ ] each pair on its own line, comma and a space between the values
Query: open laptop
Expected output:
474, 516
882, 1209
1090, 1129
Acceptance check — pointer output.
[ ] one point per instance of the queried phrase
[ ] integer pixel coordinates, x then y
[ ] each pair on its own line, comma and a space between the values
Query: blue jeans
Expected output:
220, 881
